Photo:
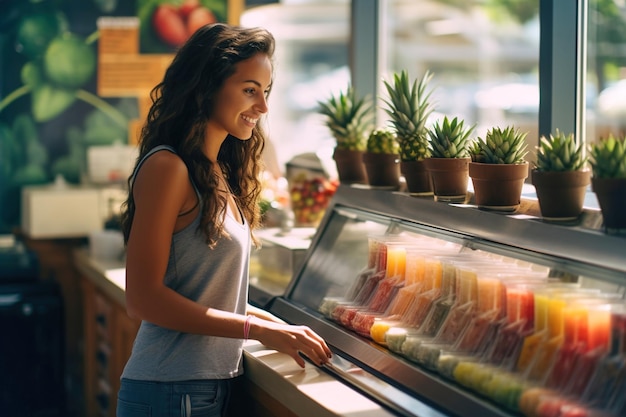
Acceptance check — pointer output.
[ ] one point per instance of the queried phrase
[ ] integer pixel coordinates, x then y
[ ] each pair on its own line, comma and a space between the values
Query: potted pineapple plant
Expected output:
608, 165
498, 168
448, 164
381, 159
408, 107
560, 177
349, 119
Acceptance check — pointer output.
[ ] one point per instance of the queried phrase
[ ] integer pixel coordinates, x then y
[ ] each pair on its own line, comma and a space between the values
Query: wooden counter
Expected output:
273, 384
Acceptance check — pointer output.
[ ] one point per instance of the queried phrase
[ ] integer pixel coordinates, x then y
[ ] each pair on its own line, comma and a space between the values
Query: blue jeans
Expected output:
198, 398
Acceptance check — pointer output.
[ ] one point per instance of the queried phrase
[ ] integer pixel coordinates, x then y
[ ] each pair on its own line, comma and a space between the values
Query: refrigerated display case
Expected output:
438, 309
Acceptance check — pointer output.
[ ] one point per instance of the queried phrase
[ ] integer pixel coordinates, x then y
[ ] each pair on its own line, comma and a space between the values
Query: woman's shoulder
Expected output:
164, 164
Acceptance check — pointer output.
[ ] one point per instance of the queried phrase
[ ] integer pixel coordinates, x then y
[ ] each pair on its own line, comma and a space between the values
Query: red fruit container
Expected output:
309, 200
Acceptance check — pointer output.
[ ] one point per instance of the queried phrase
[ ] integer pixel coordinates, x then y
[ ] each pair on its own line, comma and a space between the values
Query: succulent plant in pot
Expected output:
560, 176
607, 158
448, 164
350, 119
408, 107
498, 168
381, 159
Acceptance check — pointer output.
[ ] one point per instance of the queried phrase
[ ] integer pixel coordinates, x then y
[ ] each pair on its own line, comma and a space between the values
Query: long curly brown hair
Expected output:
181, 106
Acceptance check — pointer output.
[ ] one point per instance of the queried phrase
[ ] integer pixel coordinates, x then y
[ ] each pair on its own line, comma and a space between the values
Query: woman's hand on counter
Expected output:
291, 340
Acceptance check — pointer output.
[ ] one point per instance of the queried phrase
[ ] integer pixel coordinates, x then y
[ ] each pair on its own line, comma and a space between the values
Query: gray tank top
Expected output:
216, 278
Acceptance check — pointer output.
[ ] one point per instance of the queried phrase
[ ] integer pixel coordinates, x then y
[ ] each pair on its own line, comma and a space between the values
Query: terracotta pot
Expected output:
449, 177
350, 168
417, 178
611, 194
383, 169
561, 194
498, 186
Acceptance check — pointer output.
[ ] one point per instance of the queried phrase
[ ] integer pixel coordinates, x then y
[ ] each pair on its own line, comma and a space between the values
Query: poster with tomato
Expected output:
167, 24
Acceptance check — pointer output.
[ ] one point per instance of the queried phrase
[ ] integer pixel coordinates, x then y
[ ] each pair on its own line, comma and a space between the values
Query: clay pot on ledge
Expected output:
350, 168
611, 195
449, 177
417, 177
561, 194
498, 187
383, 169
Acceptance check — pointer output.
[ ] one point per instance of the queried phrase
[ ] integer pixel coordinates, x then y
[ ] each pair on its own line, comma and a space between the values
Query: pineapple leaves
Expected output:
560, 152
608, 157
449, 139
348, 118
500, 146
408, 107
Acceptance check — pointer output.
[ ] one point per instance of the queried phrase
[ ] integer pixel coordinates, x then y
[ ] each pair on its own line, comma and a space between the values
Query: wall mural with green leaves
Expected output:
50, 112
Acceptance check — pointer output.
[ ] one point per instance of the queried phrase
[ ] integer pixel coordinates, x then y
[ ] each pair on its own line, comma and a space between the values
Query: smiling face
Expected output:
242, 100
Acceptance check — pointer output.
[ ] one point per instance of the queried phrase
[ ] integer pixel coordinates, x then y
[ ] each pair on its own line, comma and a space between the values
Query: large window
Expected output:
606, 68
483, 56
311, 63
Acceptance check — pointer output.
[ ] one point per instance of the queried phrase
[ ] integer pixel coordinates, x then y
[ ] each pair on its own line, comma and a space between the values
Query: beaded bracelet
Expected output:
246, 327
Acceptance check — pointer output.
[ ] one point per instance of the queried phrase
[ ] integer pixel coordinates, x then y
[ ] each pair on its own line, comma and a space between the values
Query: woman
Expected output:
187, 225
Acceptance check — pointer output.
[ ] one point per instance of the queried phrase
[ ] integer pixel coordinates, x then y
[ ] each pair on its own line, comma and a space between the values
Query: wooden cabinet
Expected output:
109, 335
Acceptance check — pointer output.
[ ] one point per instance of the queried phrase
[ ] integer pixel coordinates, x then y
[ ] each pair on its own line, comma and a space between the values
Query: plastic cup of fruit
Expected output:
505, 388
447, 363
395, 337
473, 375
